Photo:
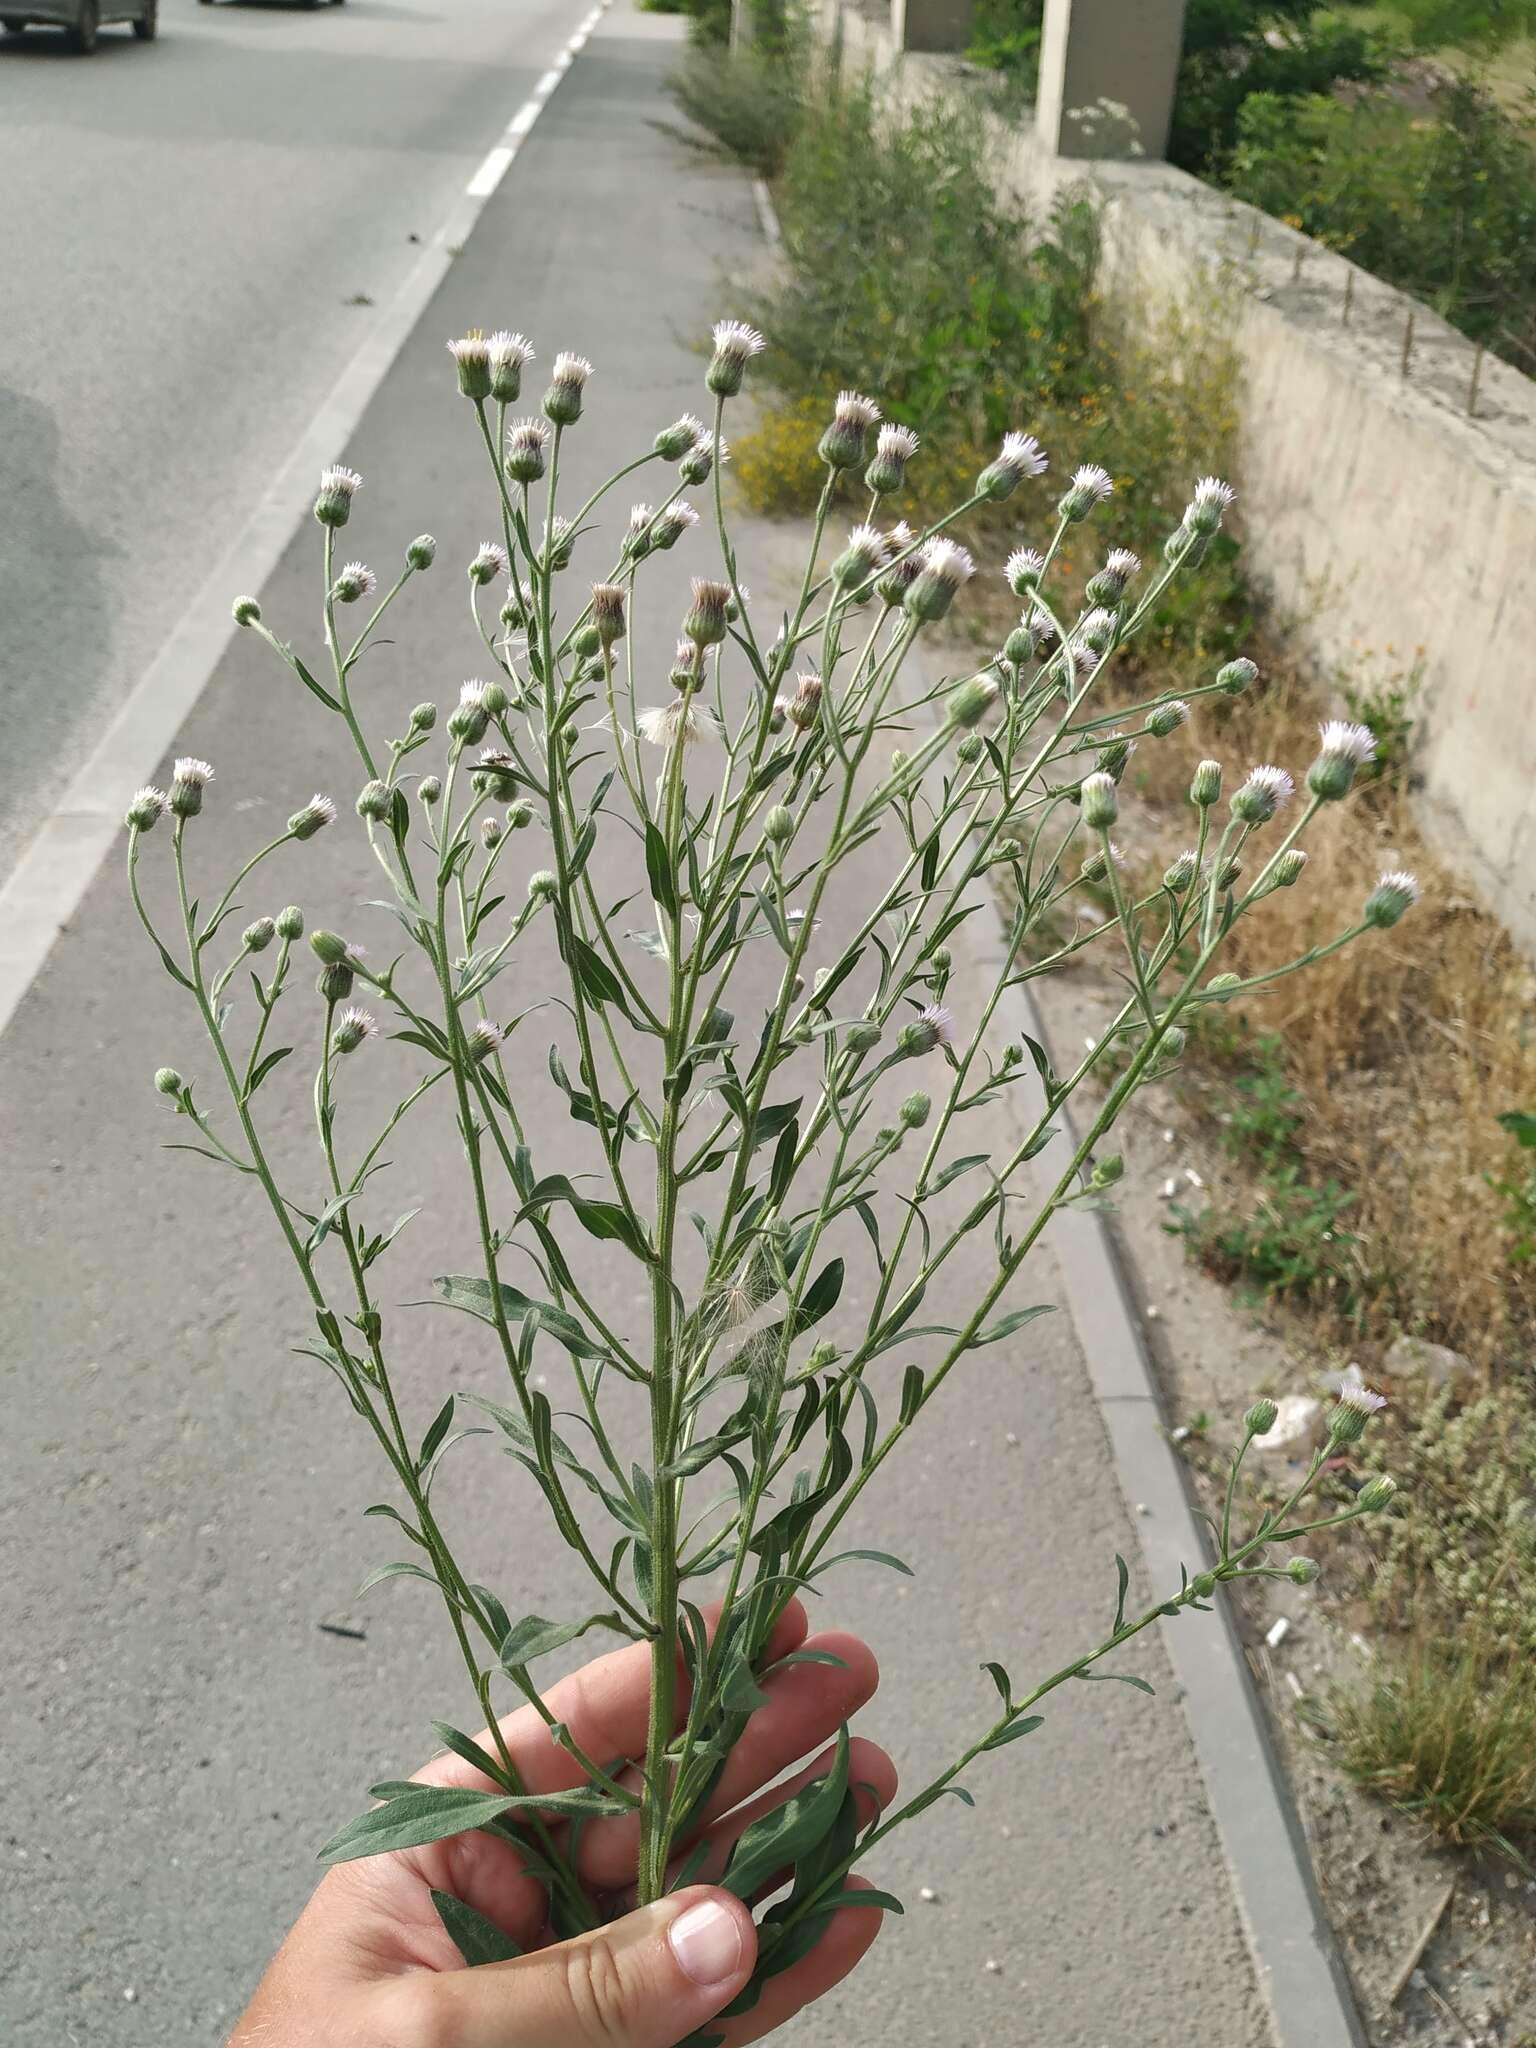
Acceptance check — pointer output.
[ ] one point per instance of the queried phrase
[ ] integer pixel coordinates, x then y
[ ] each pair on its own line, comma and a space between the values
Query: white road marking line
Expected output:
49, 881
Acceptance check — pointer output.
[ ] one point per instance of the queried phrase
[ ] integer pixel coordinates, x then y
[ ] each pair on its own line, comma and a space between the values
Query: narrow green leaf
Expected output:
782, 1837
394, 1571
534, 1637
428, 1813
477, 1939
1026, 1725
441, 1423
473, 1296
658, 868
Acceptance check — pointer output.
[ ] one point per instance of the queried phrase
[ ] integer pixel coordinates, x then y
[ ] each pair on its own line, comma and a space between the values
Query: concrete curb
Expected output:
46, 887
1300, 1974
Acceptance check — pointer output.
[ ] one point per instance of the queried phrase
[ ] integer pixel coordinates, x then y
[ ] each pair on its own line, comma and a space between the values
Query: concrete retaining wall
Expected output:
1390, 526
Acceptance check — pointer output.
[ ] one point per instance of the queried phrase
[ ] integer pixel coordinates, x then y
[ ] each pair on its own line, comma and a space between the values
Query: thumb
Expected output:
646, 1981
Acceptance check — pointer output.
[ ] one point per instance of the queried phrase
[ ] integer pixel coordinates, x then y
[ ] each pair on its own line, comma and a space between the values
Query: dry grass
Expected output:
1405, 1047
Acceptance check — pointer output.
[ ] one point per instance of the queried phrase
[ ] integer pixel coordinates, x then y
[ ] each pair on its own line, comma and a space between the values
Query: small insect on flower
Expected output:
894, 449
1211, 499
1023, 570
188, 780
1393, 897
353, 1028
495, 775
698, 464
338, 487
472, 359
1263, 793
864, 554
1089, 487
1020, 456
355, 580
842, 445
1344, 750
567, 383
735, 345
944, 568
489, 563
526, 442
146, 810
506, 354
664, 724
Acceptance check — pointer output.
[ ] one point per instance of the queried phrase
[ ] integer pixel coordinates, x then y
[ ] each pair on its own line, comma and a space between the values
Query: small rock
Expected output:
928, 1895
993, 1966
1413, 1358
129, 1994
1298, 1427
1277, 1632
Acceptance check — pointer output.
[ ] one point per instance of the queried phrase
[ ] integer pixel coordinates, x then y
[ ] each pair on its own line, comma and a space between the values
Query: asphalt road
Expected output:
180, 1515
193, 234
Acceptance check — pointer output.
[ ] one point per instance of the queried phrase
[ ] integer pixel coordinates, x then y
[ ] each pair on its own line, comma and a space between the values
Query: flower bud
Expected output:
520, 815
334, 984
168, 1081
673, 442
864, 554
423, 717
188, 780
1205, 789
779, 825
1345, 749
1107, 1172
1211, 499
246, 611
1023, 569
1301, 1571
969, 704
1356, 1404
374, 800
290, 923
862, 1035
915, 1110
314, 817
970, 750
1167, 718
1171, 1045
567, 383
543, 887
338, 487
328, 947
1020, 456
1377, 1493
705, 623
1089, 487
608, 612
1261, 1418
805, 706
699, 461
902, 573
472, 359
489, 563
822, 1355
429, 789
471, 715
943, 568
1019, 647
587, 642
1236, 676
842, 445
894, 449
1107, 585
524, 458
1223, 985
146, 810
1287, 869
258, 935
490, 833
352, 1029
1113, 757
422, 552
1100, 801
669, 526
355, 580
1261, 795
1391, 899
507, 354
1181, 872
735, 346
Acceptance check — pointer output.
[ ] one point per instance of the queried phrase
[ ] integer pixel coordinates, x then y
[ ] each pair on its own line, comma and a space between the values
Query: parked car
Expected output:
82, 18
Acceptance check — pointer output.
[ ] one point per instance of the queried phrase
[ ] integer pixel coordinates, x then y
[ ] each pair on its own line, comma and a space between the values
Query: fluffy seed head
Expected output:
664, 724
1263, 793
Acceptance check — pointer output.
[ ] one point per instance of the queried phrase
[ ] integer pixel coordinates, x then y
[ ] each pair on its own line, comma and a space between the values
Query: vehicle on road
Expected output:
80, 19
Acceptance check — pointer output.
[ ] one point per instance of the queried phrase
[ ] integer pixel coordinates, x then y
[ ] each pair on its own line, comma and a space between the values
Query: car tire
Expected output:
13, 27
82, 37
148, 23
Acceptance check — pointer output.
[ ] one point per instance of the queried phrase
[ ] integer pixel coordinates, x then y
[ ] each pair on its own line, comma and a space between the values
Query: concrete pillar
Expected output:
931, 24
1121, 52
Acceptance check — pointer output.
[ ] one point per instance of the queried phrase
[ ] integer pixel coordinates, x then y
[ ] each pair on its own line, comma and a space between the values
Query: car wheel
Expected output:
148, 22
13, 27
82, 36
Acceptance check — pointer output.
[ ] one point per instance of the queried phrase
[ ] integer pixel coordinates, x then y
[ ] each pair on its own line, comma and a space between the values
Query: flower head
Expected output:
699, 461
188, 780
355, 580
1164, 719
482, 1041
1263, 793
865, 553
1020, 456
735, 345
904, 565
489, 563
353, 1028
422, 552
319, 812
1100, 801
608, 612
1356, 1405
1392, 898
934, 1025
674, 442
567, 382
1344, 749
944, 568
842, 445
472, 359
1023, 570
705, 623
338, 487
895, 447
670, 525
1090, 486
526, 443
147, 809
1210, 501
506, 354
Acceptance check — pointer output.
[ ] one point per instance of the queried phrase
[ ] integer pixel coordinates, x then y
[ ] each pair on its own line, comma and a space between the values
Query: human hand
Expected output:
369, 1963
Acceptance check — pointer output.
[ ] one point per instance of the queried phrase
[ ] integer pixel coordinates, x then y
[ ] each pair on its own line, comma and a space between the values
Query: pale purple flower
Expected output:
1353, 743
939, 1021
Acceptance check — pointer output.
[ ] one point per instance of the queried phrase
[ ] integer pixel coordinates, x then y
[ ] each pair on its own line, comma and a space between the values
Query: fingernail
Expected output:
707, 1942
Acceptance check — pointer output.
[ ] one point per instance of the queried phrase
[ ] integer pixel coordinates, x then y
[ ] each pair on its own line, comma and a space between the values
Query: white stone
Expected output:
1298, 1430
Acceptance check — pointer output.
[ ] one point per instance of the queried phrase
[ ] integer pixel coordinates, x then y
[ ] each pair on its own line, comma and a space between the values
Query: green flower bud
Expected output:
1222, 985
862, 1035
779, 825
1237, 676
374, 800
290, 923
258, 936
168, 1081
1391, 899
1301, 1571
314, 817
328, 947
1377, 1493
422, 552
146, 810
472, 359
1261, 1418
1205, 789
587, 642
915, 1110
969, 704
822, 1356
423, 717
335, 983
246, 611
1100, 801
543, 887
429, 789
520, 815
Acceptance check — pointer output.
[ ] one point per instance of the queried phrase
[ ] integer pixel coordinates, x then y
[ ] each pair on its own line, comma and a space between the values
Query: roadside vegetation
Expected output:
1374, 1132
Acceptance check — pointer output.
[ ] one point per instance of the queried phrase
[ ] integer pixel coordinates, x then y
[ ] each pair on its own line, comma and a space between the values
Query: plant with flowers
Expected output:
815, 1129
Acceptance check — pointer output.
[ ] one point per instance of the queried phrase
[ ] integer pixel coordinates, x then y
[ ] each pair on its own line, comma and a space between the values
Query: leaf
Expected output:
1025, 1726
534, 1637
477, 1939
1119, 1678
465, 1746
857, 1895
658, 868
598, 981
473, 1296
1123, 1578
265, 1068
820, 1298
782, 1837
954, 1170
1521, 1126
913, 1382
1006, 1325
441, 1424
869, 1556
1002, 1681
429, 1813
602, 1219
394, 1571
739, 1690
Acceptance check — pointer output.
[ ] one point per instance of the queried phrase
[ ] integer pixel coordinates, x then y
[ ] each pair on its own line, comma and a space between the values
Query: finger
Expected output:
645, 1981
605, 1706
849, 1935
806, 1703
871, 1778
